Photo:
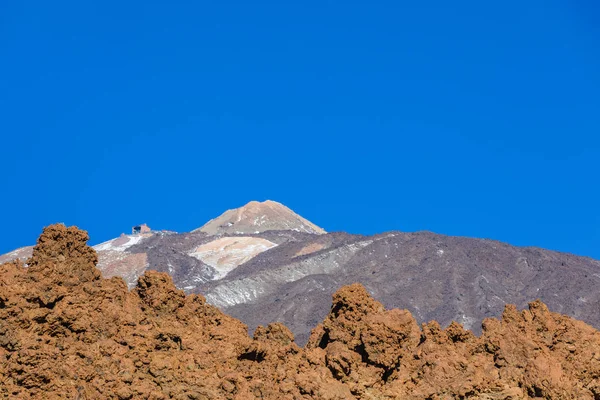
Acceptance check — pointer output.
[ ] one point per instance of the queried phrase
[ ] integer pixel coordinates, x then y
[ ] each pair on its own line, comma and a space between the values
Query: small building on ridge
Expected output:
143, 228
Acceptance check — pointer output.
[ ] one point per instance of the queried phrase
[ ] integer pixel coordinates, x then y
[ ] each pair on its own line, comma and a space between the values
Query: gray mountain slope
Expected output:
434, 276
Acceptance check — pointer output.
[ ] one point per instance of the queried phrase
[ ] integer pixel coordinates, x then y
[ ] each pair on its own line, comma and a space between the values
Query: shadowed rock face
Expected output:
67, 333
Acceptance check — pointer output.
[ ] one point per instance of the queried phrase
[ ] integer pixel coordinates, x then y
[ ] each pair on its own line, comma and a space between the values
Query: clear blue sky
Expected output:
466, 118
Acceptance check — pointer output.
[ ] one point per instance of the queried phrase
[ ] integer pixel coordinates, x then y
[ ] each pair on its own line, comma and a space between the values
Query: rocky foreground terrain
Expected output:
263, 263
65, 332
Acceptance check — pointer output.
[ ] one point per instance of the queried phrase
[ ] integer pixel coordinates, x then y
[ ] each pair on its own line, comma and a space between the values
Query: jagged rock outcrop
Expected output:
528, 354
283, 273
67, 333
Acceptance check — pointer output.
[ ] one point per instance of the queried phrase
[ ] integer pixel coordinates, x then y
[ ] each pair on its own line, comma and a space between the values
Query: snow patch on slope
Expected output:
119, 244
114, 259
22, 253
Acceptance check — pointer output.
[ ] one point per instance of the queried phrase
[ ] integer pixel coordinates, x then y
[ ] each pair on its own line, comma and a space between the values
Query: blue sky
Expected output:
465, 118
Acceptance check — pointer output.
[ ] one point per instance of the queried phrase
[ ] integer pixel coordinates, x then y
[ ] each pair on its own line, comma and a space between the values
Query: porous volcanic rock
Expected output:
528, 354
67, 333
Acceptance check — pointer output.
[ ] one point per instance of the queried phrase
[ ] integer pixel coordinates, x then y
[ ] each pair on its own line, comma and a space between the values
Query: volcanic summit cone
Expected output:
256, 217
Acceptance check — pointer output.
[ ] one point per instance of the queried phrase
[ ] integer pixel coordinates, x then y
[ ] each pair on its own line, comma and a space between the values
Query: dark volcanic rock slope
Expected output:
434, 276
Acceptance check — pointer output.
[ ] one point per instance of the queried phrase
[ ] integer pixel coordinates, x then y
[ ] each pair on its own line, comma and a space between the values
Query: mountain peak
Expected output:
256, 217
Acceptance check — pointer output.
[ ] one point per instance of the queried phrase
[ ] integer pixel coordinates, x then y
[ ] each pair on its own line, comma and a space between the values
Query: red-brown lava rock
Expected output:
66, 333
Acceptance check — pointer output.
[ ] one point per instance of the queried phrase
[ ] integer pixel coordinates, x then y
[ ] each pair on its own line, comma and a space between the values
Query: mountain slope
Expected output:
289, 275
433, 276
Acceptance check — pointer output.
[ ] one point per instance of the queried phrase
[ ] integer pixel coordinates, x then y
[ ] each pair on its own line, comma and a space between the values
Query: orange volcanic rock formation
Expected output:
67, 333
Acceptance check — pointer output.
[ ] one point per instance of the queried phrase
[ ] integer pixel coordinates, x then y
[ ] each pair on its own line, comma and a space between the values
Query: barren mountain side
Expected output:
435, 277
67, 333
